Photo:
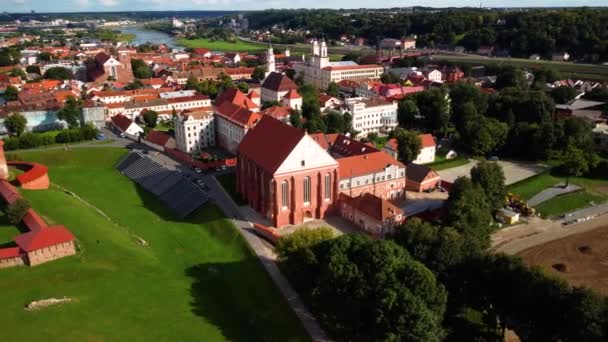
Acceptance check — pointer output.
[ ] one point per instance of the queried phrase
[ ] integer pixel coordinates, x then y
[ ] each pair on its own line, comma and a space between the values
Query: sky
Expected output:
207, 5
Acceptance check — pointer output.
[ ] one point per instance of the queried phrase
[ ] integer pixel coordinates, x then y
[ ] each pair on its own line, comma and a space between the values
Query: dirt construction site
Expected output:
580, 259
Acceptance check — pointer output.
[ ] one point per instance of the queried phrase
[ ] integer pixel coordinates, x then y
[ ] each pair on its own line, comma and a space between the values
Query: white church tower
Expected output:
324, 58
270, 64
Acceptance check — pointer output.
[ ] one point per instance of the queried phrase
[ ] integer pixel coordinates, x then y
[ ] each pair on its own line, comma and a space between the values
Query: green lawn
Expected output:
441, 163
569, 202
197, 280
228, 182
7, 230
221, 45
529, 187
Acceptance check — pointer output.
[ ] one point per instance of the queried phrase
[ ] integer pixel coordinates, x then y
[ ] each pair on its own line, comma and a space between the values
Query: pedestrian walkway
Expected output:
552, 192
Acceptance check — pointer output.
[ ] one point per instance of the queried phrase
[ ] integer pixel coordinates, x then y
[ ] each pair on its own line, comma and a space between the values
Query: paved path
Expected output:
552, 192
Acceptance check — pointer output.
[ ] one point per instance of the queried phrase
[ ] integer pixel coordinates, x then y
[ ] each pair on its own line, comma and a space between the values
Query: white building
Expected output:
319, 71
372, 115
434, 75
428, 148
194, 130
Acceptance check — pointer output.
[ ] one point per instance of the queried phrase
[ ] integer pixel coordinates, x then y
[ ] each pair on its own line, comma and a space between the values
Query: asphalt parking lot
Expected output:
514, 171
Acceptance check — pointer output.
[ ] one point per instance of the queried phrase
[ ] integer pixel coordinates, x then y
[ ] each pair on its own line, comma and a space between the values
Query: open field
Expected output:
441, 163
569, 202
585, 71
220, 45
582, 258
527, 188
196, 280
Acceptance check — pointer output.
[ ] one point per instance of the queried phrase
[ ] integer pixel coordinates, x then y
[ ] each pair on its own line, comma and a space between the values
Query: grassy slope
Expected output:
219, 45
568, 202
196, 281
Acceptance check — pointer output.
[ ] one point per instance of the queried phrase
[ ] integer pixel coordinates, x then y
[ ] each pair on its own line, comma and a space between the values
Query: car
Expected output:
122, 135
200, 182
100, 136
218, 169
224, 167
197, 170
145, 152
493, 158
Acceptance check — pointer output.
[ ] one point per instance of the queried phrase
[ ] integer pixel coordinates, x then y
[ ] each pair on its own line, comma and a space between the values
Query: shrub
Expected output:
13, 156
29, 140
17, 210
11, 144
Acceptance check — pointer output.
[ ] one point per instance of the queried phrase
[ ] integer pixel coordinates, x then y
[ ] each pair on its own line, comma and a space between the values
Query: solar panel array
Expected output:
177, 192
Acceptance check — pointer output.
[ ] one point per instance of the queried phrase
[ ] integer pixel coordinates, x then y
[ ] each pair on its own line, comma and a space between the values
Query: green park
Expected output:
139, 272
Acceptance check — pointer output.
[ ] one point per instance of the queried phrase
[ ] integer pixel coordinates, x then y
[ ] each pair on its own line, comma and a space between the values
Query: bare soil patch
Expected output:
580, 259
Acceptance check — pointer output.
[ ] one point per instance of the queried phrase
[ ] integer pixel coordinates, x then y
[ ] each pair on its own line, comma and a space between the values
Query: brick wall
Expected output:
51, 253
10, 262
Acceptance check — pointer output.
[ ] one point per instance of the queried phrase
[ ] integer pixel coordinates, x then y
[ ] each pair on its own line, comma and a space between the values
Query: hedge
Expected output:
33, 140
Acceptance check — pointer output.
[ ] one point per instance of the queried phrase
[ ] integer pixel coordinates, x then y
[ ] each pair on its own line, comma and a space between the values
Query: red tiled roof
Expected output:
391, 144
158, 138
33, 221
277, 112
236, 97
365, 164
427, 140
46, 237
121, 121
373, 206
9, 252
292, 94
273, 134
237, 114
279, 82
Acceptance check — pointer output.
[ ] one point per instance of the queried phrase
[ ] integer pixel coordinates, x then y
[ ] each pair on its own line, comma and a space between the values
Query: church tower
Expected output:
270, 64
324, 57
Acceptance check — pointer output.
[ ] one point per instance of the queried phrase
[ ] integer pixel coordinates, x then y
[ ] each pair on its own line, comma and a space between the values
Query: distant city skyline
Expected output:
210, 5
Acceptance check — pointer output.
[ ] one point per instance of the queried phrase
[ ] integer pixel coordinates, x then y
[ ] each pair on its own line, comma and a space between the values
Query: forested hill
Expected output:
582, 32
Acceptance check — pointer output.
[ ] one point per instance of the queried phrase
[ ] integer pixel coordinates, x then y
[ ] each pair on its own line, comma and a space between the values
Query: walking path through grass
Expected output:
197, 280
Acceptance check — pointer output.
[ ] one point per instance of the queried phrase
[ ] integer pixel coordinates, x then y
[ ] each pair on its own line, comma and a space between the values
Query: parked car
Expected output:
197, 170
122, 135
100, 136
493, 158
224, 167
145, 151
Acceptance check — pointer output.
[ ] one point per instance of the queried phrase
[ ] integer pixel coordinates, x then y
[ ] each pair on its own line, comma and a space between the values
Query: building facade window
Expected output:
328, 186
285, 194
307, 190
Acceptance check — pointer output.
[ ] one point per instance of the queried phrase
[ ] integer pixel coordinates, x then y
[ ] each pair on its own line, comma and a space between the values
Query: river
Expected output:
155, 37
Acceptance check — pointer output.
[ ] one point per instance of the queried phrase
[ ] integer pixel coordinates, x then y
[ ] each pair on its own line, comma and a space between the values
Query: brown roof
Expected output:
121, 121
237, 114
158, 138
372, 206
268, 134
279, 82
277, 112
418, 173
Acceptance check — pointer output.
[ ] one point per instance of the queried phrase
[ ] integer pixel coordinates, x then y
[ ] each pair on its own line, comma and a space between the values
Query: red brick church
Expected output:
290, 176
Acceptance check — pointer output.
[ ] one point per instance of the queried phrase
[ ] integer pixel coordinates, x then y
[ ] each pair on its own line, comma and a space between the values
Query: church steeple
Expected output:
270, 64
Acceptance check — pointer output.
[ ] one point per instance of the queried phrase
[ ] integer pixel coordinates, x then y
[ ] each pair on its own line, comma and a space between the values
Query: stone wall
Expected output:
51, 253
10, 262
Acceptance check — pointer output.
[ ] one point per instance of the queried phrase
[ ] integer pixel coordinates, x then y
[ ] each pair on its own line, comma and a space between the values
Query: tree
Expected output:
295, 252
71, 111
468, 211
243, 87
11, 93
15, 124
136, 84
390, 78
150, 118
58, 73
332, 89
510, 76
434, 107
258, 73
408, 144
140, 69
563, 94
315, 125
17, 72
16, 210
490, 178
334, 121
390, 295
44, 56
574, 163
295, 118
406, 112
482, 135
33, 69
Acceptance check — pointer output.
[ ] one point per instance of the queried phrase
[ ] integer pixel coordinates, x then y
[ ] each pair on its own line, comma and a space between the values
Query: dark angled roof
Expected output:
417, 173
279, 82
270, 135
